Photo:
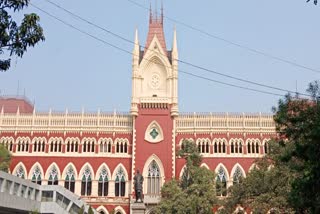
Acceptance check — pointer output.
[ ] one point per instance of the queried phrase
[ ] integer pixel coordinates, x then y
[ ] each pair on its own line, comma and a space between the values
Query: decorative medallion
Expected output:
155, 81
154, 133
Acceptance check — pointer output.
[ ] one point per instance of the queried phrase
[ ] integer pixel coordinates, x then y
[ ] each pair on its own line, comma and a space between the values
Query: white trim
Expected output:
234, 169
24, 168
64, 172
32, 169
82, 170
49, 169
102, 208
225, 169
155, 158
153, 125
119, 209
99, 170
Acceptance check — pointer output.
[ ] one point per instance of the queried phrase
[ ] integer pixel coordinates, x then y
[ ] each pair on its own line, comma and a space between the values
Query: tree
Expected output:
298, 122
265, 188
5, 158
195, 192
314, 1
14, 38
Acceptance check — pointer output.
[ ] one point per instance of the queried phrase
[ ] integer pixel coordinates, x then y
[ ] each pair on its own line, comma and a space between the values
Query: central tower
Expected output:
154, 107
155, 69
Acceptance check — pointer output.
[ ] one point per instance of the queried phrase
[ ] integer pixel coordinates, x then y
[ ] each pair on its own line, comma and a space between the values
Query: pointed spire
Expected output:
162, 12
136, 49
2, 110
174, 45
150, 14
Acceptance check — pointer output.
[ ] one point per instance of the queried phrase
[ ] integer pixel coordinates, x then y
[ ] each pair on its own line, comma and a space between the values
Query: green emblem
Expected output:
154, 133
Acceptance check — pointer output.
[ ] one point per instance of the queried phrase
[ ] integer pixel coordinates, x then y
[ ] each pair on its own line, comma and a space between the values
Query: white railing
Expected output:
225, 122
88, 122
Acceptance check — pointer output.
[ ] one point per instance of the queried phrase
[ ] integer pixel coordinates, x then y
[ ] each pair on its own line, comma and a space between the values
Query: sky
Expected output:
71, 70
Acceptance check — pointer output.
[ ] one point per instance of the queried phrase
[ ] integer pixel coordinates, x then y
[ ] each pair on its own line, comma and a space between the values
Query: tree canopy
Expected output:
5, 158
195, 192
287, 179
14, 38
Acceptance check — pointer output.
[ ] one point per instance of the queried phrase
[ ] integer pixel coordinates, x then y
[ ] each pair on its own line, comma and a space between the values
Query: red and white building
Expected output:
96, 155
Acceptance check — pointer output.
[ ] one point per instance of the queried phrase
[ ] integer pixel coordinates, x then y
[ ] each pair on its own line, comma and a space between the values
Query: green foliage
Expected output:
299, 121
90, 211
195, 193
314, 1
5, 158
292, 182
265, 187
14, 38
81, 211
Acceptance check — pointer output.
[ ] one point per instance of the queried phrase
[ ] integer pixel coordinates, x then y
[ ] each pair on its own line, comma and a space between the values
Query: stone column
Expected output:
138, 208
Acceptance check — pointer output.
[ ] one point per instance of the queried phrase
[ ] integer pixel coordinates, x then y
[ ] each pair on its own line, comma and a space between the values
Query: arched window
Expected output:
86, 182
23, 144
153, 179
266, 147
72, 144
237, 176
105, 145
219, 146
69, 182
53, 176
36, 176
121, 145
221, 182
20, 172
88, 145
236, 146
120, 183
103, 183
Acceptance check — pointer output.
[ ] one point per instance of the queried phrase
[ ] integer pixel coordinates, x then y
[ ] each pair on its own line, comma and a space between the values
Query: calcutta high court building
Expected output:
96, 155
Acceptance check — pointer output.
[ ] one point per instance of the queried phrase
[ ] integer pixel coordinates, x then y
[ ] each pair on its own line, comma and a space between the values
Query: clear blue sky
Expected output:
71, 70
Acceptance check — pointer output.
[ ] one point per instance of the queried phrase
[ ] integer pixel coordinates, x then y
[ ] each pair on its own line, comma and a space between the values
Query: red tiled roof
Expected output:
10, 105
156, 28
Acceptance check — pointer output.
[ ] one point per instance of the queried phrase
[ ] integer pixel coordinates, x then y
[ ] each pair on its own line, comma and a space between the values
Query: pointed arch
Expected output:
221, 180
253, 166
237, 173
182, 171
154, 162
53, 174
154, 133
103, 176
36, 173
205, 165
86, 174
120, 176
119, 209
39, 144
69, 176
65, 170
20, 170
102, 209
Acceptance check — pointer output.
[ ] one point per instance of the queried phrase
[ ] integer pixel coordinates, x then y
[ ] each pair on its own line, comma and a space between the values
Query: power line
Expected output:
253, 50
182, 61
128, 52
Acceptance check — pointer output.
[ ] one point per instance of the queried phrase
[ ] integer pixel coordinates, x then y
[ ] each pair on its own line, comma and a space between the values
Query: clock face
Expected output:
155, 81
